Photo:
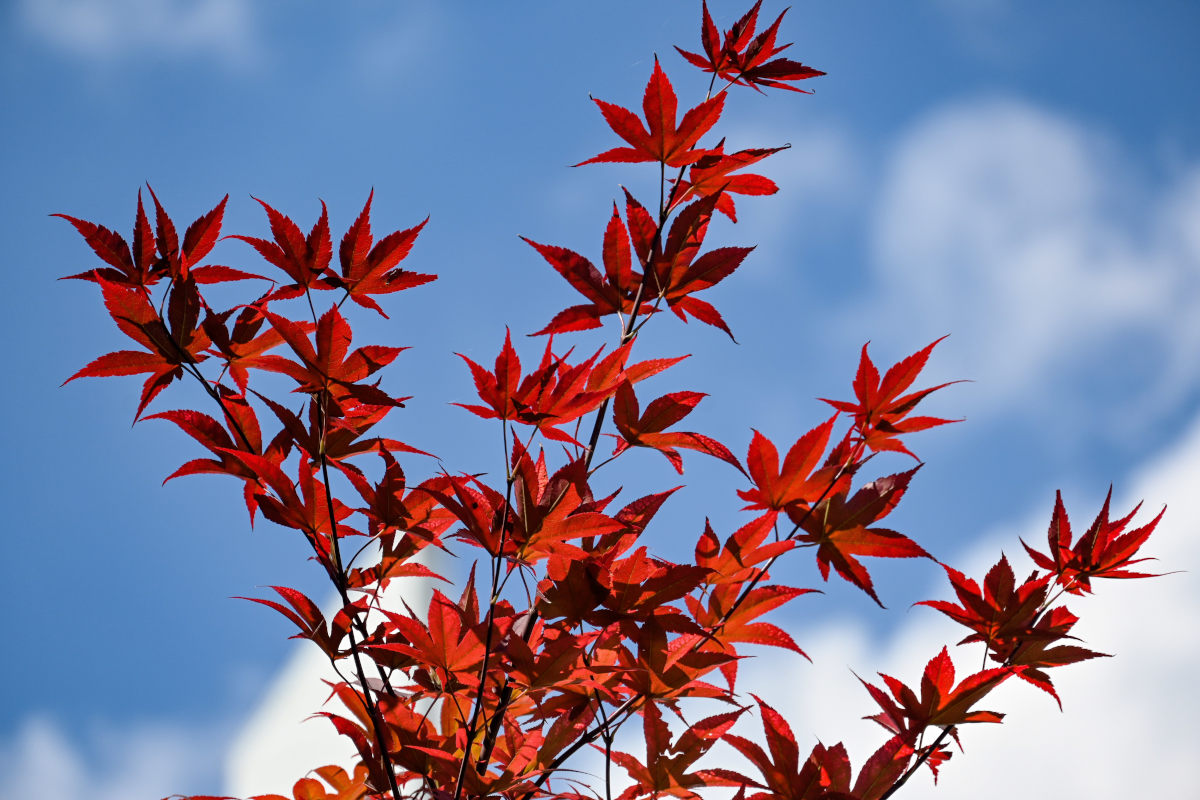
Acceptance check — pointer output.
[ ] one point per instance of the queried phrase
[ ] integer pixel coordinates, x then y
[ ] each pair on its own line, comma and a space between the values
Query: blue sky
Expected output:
1023, 177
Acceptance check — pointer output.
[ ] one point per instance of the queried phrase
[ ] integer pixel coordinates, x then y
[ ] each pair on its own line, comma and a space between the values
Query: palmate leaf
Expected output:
198, 240
242, 346
712, 174
729, 625
881, 411
825, 773
156, 252
838, 526
647, 429
661, 139
448, 644
338, 438
797, 481
678, 271
614, 292
304, 259
329, 367
1000, 614
368, 270
942, 703
169, 343
666, 669
307, 616
745, 59
1012, 621
240, 432
1105, 550
556, 392
734, 563
666, 768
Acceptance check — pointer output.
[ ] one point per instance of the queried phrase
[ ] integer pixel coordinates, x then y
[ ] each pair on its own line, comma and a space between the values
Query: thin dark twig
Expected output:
925, 755
497, 566
340, 582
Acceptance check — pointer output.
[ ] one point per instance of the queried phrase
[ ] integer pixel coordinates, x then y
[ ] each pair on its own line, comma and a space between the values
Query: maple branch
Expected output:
584, 740
311, 308
340, 582
631, 327
195, 372
925, 755
608, 742
498, 714
630, 330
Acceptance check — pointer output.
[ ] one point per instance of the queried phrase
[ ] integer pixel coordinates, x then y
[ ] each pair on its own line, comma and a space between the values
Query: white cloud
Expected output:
110, 30
46, 762
278, 743
1025, 235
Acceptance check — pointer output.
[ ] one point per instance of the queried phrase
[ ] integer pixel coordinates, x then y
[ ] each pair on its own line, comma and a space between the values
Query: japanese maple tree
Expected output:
569, 628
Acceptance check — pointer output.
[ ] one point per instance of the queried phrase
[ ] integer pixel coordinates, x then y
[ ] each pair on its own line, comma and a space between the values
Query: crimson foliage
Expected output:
491, 690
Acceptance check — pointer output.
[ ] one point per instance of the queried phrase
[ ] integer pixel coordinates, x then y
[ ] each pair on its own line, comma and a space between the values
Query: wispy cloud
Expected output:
42, 760
279, 743
1024, 234
121, 30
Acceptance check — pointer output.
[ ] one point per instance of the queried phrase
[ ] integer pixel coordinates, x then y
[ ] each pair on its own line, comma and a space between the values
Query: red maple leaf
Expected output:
798, 481
647, 430
1001, 614
881, 411
825, 773
744, 59
838, 526
304, 259
169, 343
340, 437
1104, 551
139, 268
1013, 622
307, 511
368, 270
242, 346
448, 648
665, 141
711, 175
243, 434
177, 262
665, 771
678, 270
556, 392
142, 267
614, 292
330, 368
941, 703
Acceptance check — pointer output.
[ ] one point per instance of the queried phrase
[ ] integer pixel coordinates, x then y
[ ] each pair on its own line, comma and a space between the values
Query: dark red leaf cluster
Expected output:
569, 625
